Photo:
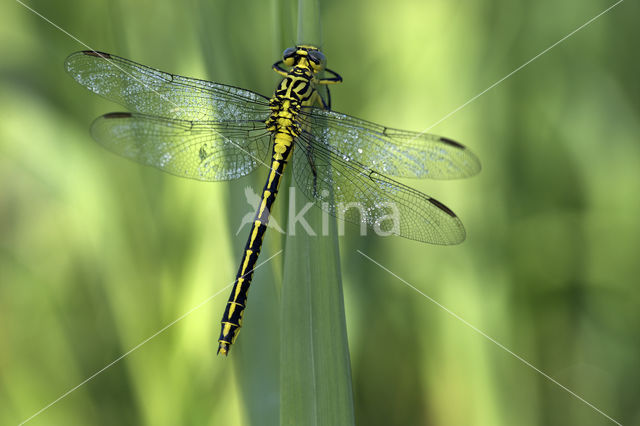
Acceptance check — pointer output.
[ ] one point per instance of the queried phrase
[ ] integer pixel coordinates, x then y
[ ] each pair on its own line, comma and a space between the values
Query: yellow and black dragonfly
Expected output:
214, 132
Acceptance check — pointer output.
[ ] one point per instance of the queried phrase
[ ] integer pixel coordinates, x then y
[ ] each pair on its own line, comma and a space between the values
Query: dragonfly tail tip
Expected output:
223, 348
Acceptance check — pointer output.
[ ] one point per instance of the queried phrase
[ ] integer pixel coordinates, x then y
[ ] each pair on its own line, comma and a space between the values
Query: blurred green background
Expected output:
98, 253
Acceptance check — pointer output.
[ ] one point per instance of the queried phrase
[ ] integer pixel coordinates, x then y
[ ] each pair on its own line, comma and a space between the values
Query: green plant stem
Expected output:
315, 370
309, 22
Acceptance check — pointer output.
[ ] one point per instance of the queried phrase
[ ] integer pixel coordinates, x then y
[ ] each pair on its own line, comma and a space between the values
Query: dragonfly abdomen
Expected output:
282, 123
232, 317
295, 91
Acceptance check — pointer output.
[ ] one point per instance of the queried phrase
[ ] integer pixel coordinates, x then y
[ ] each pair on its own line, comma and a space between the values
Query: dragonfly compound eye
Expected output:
289, 56
317, 59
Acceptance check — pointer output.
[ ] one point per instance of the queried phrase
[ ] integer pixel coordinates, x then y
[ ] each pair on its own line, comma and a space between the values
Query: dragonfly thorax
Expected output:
296, 90
283, 116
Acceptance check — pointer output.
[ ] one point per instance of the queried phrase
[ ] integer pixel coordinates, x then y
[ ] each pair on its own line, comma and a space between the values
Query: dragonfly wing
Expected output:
355, 193
393, 152
209, 151
149, 91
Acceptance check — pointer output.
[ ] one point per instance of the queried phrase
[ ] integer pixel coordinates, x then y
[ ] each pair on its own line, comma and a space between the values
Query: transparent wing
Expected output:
353, 192
391, 151
149, 91
209, 151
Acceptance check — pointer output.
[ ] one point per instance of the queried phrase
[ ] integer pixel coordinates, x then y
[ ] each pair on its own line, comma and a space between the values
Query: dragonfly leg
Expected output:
326, 104
277, 67
331, 80
326, 81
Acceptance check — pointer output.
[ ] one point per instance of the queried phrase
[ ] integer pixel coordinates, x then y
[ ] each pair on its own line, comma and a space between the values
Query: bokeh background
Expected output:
98, 253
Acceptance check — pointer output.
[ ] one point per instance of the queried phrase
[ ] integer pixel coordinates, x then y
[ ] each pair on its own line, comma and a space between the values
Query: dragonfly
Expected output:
214, 132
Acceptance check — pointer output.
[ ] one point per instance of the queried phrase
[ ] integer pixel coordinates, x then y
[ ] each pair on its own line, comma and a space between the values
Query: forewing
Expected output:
209, 151
356, 193
393, 152
149, 91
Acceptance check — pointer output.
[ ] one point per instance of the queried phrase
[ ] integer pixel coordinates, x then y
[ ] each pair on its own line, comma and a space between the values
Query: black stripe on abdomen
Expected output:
232, 317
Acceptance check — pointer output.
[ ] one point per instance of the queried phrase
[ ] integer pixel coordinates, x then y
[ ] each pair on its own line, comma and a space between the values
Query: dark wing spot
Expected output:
452, 143
442, 207
97, 54
117, 115
203, 153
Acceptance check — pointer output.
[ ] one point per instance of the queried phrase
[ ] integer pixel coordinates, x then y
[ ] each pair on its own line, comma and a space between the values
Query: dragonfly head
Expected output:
305, 55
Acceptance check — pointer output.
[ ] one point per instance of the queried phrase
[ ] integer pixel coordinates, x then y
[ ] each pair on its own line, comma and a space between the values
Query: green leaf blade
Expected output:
315, 370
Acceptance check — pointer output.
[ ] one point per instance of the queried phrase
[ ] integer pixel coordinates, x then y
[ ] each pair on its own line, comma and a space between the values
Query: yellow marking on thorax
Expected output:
284, 111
